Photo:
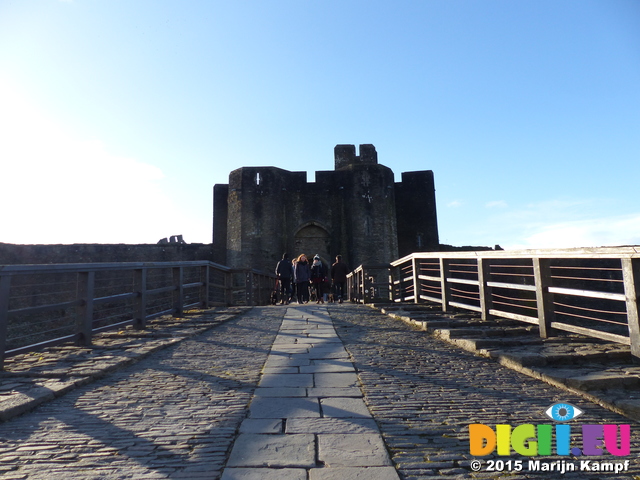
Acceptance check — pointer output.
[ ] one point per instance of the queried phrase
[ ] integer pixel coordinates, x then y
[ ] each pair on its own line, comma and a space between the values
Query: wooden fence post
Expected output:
366, 292
140, 286
486, 300
228, 288
416, 281
5, 287
392, 284
631, 277
445, 288
178, 294
258, 299
204, 290
544, 298
84, 320
248, 285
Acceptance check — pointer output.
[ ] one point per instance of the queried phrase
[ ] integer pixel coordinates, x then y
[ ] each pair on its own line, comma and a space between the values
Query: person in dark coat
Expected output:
339, 271
302, 274
284, 273
318, 278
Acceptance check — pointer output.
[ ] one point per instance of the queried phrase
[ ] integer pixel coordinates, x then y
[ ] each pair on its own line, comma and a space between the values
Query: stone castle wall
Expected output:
11, 254
355, 210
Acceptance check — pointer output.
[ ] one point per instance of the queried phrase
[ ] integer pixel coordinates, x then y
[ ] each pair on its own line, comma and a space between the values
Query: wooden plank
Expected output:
589, 332
115, 298
39, 346
45, 308
462, 280
465, 306
512, 286
431, 299
86, 267
156, 291
114, 326
514, 316
589, 293
429, 278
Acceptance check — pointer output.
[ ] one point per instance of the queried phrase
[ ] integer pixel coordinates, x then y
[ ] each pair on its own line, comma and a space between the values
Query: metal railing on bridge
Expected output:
591, 292
46, 305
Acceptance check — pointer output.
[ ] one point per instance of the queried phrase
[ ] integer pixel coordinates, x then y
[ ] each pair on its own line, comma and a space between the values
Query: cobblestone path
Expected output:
424, 393
172, 415
175, 414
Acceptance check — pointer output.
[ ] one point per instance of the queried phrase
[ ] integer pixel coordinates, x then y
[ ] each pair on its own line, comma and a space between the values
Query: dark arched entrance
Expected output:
312, 239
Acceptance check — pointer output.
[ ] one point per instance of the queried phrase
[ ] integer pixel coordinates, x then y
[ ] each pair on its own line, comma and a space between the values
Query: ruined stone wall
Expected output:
416, 213
220, 220
11, 254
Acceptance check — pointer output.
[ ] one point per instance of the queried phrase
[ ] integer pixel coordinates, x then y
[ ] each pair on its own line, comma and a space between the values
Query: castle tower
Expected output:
355, 210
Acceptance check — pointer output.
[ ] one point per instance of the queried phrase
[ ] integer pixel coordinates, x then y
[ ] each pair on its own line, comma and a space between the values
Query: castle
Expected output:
356, 210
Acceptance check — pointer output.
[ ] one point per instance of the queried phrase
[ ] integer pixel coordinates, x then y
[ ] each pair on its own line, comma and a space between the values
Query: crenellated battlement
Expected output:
345, 155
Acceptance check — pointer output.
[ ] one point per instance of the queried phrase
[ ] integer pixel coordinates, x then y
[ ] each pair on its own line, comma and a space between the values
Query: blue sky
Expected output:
118, 117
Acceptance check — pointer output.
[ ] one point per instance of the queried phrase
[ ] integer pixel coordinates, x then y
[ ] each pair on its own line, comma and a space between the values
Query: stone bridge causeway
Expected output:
317, 392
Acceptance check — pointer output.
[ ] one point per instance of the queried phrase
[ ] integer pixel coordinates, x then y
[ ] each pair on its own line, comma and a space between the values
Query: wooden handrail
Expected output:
133, 297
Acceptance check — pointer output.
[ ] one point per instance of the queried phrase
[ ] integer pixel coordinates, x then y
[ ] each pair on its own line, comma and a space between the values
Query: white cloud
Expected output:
597, 232
496, 204
454, 204
59, 188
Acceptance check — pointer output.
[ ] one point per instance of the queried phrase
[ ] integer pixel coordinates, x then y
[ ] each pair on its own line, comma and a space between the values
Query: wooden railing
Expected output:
591, 292
46, 305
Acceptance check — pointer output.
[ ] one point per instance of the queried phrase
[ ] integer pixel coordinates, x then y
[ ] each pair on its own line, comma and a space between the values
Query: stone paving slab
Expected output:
354, 473
331, 425
284, 407
262, 425
291, 451
281, 391
264, 474
290, 380
336, 380
325, 422
344, 407
349, 450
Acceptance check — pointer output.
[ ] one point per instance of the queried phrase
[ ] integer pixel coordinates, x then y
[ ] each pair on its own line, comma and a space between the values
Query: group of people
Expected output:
297, 277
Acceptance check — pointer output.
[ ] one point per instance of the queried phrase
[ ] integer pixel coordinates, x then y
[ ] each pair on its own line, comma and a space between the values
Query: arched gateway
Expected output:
312, 239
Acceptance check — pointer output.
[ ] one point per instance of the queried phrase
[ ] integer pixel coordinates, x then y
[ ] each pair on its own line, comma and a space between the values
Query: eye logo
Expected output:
563, 412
